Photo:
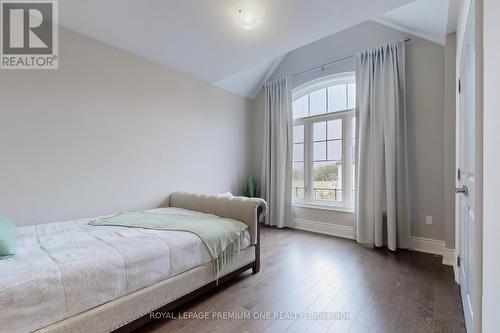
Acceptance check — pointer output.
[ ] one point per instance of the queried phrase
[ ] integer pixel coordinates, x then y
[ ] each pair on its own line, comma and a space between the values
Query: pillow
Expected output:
7, 237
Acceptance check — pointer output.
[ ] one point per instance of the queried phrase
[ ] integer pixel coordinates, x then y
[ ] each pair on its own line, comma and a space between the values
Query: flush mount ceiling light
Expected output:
248, 16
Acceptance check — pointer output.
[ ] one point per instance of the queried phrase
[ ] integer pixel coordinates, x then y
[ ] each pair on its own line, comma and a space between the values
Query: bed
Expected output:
72, 276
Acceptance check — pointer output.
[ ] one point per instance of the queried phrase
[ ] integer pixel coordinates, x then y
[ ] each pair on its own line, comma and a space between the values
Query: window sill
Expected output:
322, 206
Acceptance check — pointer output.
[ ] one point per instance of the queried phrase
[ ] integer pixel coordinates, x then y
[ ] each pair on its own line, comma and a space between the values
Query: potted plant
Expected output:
251, 188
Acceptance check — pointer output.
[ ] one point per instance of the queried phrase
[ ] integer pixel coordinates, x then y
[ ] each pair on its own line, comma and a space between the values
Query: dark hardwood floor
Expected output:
304, 273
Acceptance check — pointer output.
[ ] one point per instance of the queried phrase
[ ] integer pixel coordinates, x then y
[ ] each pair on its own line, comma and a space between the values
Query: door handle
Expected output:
464, 190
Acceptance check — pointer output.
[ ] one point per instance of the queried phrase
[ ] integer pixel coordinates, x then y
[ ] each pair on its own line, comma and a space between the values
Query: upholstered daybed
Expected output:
75, 277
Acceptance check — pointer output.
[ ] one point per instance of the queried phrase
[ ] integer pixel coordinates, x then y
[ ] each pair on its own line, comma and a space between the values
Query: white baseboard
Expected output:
324, 228
425, 245
433, 246
449, 257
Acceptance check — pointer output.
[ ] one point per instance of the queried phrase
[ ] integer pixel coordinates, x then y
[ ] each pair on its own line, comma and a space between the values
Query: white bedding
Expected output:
64, 268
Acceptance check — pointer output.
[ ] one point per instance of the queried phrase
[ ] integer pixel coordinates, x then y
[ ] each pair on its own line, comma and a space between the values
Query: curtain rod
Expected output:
330, 63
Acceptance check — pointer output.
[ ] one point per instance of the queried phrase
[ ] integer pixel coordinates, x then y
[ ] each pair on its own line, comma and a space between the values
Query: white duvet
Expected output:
64, 268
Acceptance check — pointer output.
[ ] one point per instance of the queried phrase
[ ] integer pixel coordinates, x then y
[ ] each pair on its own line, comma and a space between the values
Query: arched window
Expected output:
324, 141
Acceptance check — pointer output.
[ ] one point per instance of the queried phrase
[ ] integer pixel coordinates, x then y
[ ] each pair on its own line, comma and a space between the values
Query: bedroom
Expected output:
152, 120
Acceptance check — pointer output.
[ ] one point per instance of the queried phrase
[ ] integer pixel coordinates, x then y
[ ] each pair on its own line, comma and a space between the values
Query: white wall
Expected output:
426, 115
491, 167
109, 132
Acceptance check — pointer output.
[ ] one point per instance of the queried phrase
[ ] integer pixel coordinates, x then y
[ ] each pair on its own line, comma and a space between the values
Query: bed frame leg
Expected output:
256, 267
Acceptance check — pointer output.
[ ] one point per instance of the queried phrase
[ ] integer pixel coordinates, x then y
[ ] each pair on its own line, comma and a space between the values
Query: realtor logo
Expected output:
29, 38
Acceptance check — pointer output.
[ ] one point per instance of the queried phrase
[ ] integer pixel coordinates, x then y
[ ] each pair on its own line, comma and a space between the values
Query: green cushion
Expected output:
7, 237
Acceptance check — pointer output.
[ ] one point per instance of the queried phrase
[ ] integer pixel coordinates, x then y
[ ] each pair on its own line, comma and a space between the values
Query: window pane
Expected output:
320, 151
298, 134
298, 180
298, 152
337, 98
301, 107
327, 184
351, 96
335, 129
320, 131
318, 101
335, 150
324, 163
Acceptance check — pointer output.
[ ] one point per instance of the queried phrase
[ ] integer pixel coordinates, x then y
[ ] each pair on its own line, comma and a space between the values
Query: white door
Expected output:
466, 173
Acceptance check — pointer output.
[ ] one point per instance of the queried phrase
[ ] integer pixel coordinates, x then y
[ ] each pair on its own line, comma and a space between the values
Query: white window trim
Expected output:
323, 82
337, 207
347, 205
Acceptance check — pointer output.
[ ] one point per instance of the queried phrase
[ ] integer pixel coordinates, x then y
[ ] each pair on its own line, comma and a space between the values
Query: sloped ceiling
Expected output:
199, 37
428, 19
248, 82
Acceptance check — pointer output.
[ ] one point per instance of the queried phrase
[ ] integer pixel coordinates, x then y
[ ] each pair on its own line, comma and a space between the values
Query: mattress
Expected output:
65, 268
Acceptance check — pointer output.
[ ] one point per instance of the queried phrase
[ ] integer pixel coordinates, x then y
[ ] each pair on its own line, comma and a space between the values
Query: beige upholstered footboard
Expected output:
246, 210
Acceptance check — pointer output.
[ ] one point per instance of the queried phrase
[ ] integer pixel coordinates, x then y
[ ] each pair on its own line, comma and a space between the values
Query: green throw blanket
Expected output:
218, 234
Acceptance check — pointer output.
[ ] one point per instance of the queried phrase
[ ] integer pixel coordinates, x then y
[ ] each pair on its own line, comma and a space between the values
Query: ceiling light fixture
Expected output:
248, 16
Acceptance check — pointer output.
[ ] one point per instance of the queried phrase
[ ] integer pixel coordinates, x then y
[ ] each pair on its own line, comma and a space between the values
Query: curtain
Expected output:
276, 180
383, 204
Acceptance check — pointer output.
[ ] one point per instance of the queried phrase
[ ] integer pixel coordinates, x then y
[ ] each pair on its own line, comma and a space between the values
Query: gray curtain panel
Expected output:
276, 180
383, 203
